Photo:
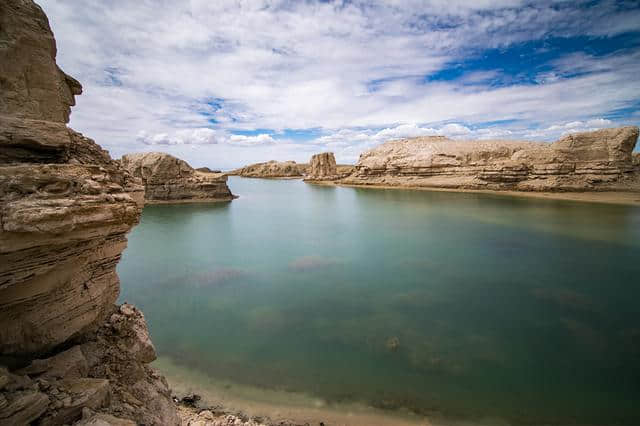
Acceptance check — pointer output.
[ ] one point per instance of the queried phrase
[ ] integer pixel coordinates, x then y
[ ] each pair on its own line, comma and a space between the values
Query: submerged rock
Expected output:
170, 179
599, 160
272, 169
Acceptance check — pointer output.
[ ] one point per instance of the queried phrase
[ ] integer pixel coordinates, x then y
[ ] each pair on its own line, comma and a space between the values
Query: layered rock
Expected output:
207, 170
170, 179
272, 169
590, 161
65, 210
323, 166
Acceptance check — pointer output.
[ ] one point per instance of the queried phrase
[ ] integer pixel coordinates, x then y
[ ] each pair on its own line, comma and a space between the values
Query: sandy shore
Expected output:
606, 197
275, 406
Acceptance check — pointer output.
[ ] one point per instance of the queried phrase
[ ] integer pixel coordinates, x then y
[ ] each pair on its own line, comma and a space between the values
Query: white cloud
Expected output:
185, 75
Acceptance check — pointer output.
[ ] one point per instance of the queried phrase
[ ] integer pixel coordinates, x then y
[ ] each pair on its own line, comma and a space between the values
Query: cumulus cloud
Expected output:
188, 75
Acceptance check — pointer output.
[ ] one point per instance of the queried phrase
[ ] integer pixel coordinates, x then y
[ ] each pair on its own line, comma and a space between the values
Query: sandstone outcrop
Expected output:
272, 169
323, 167
590, 161
207, 170
170, 179
65, 210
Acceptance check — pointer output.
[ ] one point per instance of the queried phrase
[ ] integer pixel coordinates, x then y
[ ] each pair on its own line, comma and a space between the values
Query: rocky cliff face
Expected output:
590, 161
323, 167
169, 179
65, 210
272, 169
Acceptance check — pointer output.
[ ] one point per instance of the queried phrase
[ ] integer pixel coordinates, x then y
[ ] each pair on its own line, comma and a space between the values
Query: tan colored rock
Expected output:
323, 167
120, 352
65, 210
207, 170
79, 394
32, 85
589, 161
23, 407
65, 206
170, 179
272, 169
69, 364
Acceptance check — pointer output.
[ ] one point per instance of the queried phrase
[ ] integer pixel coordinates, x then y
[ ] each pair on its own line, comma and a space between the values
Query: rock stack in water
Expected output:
323, 167
601, 160
67, 353
171, 180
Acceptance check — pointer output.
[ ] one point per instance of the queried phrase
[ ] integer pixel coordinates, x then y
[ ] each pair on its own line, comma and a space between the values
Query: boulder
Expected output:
170, 179
589, 161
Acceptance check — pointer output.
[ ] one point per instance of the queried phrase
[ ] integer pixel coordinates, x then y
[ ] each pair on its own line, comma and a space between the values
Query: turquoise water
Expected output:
463, 305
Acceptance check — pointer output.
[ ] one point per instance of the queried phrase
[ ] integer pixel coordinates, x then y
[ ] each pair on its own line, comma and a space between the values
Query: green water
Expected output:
520, 309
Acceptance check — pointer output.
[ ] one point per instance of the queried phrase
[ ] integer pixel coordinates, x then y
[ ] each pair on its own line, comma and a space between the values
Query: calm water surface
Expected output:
465, 305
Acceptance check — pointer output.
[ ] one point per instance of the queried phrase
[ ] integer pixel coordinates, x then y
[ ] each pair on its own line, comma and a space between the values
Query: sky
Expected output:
227, 83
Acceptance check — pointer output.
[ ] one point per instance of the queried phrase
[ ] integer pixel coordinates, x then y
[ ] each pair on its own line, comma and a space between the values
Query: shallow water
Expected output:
468, 306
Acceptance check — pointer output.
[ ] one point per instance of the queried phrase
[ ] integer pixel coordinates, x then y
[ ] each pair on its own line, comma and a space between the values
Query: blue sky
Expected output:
228, 83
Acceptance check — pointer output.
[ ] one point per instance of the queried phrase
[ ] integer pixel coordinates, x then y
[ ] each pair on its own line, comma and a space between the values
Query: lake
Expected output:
453, 305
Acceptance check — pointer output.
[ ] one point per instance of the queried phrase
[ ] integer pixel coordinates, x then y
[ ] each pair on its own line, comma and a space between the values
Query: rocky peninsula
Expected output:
595, 161
168, 179
272, 169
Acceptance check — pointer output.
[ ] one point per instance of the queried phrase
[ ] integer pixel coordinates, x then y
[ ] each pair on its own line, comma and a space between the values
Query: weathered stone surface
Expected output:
76, 394
599, 160
91, 418
323, 167
272, 169
31, 84
119, 352
169, 179
69, 364
207, 170
65, 210
65, 206
23, 407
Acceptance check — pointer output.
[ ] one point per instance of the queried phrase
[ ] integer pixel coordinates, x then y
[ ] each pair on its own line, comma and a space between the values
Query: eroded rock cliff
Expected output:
170, 179
590, 161
272, 169
65, 210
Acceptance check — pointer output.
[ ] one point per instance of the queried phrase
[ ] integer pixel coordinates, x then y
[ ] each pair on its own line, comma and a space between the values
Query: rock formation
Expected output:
207, 170
590, 161
65, 208
272, 169
169, 179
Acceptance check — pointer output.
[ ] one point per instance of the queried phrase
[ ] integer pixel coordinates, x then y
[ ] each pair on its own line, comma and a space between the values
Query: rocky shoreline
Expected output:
168, 179
68, 354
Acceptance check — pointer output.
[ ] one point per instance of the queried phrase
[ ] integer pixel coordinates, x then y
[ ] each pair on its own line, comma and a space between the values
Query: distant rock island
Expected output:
292, 170
168, 179
601, 160
272, 169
